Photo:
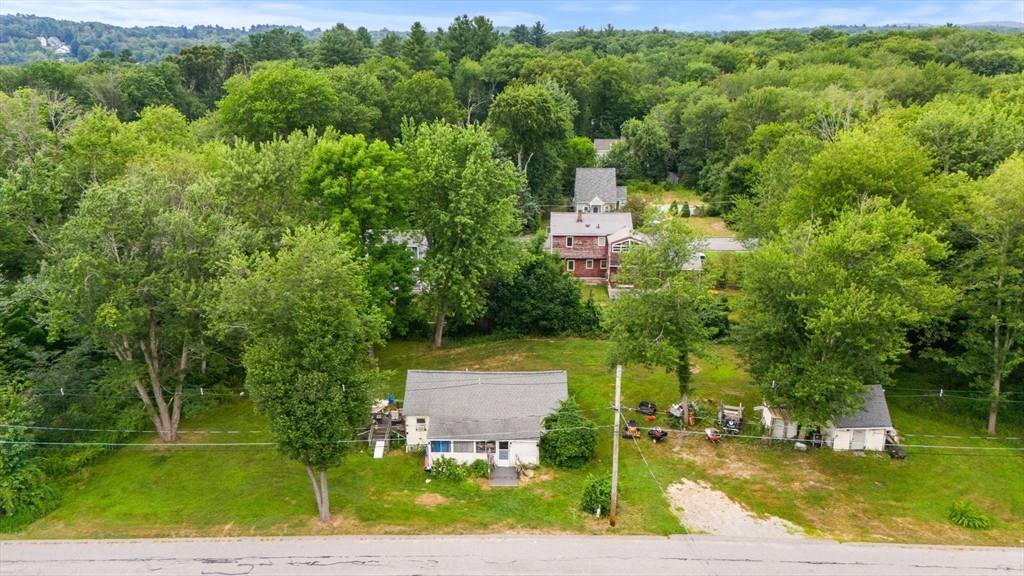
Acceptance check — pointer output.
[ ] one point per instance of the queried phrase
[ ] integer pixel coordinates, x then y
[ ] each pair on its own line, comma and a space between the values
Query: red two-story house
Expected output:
590, 243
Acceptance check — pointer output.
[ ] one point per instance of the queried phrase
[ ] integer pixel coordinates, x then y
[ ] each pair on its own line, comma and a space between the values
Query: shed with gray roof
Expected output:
481, 415
866, 429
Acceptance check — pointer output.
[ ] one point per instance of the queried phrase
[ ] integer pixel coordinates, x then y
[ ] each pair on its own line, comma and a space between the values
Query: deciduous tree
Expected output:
464, 202
308, 320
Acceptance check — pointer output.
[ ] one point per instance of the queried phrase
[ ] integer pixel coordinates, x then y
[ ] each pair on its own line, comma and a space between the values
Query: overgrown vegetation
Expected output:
880, 170
597, 496
569, 440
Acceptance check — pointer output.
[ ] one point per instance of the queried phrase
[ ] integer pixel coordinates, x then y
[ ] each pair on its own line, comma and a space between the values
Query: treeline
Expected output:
151, 213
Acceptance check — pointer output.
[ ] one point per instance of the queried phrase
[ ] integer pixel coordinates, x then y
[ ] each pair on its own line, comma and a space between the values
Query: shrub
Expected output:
966, 515
478, 469
684, 210
597, 495
542, 299
570, 439
449, 469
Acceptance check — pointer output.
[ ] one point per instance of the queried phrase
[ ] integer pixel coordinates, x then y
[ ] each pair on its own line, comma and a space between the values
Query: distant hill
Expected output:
27, 38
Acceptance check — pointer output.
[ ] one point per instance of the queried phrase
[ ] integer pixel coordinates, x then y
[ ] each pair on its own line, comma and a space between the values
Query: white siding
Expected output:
415, 437
842, 439
525, 451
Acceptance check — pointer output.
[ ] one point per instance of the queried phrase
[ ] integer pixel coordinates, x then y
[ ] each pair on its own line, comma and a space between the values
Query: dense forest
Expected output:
166, 225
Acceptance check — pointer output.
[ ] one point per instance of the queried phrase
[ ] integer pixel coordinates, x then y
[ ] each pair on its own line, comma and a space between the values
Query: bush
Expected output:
449, 469
597, 495
966, 515
570, 439
541, 299
478, 469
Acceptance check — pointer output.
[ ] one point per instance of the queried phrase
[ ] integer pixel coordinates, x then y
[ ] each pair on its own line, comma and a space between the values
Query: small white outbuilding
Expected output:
866, 429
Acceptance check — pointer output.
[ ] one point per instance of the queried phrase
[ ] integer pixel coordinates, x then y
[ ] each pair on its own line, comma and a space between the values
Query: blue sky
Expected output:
682, 15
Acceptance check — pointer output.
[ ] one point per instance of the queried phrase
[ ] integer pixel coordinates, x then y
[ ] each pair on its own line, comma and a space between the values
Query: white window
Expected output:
463, 447
421, 424
415, 251
570, 265
568, 241
590, 264
601, 240
622, 246
604, 264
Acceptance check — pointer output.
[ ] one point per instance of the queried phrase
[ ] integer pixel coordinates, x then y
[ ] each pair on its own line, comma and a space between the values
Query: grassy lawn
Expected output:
233, 491
599, 292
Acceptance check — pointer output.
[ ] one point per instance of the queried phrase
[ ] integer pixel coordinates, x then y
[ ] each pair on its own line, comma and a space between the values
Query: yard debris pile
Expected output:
701, 508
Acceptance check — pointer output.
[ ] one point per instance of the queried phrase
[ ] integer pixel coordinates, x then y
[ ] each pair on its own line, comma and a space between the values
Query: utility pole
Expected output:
615, 445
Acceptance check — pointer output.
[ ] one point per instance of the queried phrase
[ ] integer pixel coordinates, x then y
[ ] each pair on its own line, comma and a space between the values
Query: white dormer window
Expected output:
568, 241
601, 240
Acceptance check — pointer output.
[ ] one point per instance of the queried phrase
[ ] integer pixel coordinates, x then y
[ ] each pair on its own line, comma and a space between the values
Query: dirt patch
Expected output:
484, 483
718, 225
430, 500
703, 509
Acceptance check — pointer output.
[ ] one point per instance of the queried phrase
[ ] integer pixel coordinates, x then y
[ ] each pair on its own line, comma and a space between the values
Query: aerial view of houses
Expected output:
526, 278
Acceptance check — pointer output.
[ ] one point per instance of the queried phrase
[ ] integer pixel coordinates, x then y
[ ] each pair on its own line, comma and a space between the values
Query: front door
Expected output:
858, 440
503, 450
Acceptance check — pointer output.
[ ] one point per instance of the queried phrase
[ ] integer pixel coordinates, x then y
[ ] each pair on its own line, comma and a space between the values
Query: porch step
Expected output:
378, 449
505, 476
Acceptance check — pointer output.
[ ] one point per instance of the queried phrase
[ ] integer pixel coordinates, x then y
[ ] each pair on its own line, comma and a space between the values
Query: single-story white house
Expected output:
866, 429
472, 416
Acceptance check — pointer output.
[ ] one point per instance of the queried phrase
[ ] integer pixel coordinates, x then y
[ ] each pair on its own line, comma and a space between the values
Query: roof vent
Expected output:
598, 224
587, 225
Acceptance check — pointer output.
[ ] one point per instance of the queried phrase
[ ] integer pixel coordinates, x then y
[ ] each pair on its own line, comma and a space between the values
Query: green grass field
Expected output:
150, 491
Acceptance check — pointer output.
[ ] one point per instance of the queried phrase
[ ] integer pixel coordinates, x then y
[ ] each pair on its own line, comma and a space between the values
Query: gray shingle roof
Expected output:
483, 405
593, 224
874, 413
596, 182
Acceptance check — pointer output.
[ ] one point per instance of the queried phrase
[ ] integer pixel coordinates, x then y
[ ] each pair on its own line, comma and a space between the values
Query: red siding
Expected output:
582, 247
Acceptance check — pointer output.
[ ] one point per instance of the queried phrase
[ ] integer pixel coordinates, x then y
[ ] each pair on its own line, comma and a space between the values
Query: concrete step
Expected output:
504, 477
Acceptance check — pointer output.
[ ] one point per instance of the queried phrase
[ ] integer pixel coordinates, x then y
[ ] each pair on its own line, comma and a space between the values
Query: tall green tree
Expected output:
613, 97
468, 38
828, 312
992, 277
133, 271
276, 101
424, 98
464, 202
418, 49
530, 119
308, 321
656, 322
646, 149
339, 45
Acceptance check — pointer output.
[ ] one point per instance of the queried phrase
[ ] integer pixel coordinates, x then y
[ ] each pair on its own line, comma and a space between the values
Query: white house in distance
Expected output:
866, 429
596, 191
602, 146
472, 416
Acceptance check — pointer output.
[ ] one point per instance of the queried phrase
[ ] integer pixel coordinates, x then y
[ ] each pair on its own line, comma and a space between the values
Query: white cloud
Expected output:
623, 8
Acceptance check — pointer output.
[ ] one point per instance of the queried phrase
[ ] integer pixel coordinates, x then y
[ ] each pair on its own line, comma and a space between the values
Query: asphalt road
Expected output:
456, 555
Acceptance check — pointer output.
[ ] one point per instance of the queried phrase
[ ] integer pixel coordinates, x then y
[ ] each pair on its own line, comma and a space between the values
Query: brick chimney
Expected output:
579, 215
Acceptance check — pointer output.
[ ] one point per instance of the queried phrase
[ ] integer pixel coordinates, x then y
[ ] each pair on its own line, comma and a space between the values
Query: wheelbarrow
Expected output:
713, 435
